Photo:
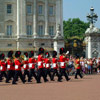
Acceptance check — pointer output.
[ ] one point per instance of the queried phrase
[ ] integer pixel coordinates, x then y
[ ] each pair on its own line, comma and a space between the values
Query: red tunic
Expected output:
40, 61
77, 61
47, 63
25, 65
54, 63
31, 62
17, 65
2, 65
10, 64
62, 60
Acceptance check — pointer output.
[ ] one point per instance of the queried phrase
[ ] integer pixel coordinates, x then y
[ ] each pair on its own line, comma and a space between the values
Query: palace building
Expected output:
29, 24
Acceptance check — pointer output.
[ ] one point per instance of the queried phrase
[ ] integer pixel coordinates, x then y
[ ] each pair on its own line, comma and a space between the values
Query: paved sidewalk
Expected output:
87, 88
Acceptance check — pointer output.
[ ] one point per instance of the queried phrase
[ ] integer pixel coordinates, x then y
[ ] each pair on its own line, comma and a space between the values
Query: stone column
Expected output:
61, 16
46, 18
35, 19
89, 47
18, 22
57, 13
23, 17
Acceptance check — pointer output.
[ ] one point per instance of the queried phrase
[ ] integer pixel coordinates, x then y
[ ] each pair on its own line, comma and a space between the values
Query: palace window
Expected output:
40, 9
29, 9
51, 30
51, 10
40, 30
9, 8
29, 29
9, 30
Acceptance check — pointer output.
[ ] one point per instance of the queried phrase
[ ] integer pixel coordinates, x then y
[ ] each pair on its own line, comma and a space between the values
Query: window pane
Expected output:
51, 10
9, 8
9, 29
51, 30
40, 9
29, 29
29, 9
40, 30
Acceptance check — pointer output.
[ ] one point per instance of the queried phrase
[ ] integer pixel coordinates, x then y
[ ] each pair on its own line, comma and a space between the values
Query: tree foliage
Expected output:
74, 27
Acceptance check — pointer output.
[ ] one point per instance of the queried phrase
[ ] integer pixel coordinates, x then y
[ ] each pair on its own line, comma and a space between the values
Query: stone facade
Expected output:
16, 15
92, 42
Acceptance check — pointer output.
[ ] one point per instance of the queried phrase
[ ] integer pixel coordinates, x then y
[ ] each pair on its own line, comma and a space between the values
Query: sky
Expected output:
80, 8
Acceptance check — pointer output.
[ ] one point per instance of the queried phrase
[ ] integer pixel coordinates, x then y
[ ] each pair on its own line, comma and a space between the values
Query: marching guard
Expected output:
25, 66
62, 60
2, 67
41, 71
78, 68
32, 63
55, 67
10, 66
18, 65
47, 65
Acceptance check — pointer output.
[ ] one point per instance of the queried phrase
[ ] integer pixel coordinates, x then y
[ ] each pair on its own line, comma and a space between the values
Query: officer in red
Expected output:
10, 66
25, 65
62, 60
55, 67
2, 67
47, 64
32, 63
78, 68
18, 68
40, 61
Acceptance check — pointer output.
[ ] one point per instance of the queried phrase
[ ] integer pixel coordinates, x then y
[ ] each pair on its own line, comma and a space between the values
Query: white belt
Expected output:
24, 65
30, 65
54, 65
62, 63
47, 65
16, 66
39, 63
8, 66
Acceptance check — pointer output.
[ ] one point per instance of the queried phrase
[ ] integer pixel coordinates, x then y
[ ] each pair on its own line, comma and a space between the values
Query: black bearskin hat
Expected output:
10, 53
41, 50
26, 54
62, 50
17, 54
54, 54
31, 54
2, 56
47, 54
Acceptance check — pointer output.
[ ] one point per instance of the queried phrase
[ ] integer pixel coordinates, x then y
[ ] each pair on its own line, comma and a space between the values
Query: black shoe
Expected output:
59, 81
46, 80
7, 82
76, 78
38, 82
68, 79
29, 81
14, 83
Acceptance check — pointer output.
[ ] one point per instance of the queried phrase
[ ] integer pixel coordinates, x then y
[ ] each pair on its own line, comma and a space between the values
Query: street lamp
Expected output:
92, 17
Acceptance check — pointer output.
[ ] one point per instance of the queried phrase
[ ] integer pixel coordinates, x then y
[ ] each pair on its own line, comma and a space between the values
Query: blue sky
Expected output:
80, 8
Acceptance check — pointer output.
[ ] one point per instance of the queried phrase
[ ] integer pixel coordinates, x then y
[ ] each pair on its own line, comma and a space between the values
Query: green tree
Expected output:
74, 28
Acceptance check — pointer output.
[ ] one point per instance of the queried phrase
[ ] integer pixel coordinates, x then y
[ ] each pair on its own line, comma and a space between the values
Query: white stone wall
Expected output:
19, 19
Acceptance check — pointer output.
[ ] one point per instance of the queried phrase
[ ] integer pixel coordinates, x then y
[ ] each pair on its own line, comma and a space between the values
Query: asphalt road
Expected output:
87, 88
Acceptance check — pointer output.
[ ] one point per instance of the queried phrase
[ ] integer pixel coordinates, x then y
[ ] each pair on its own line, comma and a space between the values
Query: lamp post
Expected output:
92, 17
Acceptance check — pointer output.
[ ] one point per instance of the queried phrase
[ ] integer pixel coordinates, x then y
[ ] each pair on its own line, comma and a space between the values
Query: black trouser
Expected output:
32, 73
55, 71
48, 72
10, 74
63, 72
26, 72
18, 73
3, 73
40, 73
78, 72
